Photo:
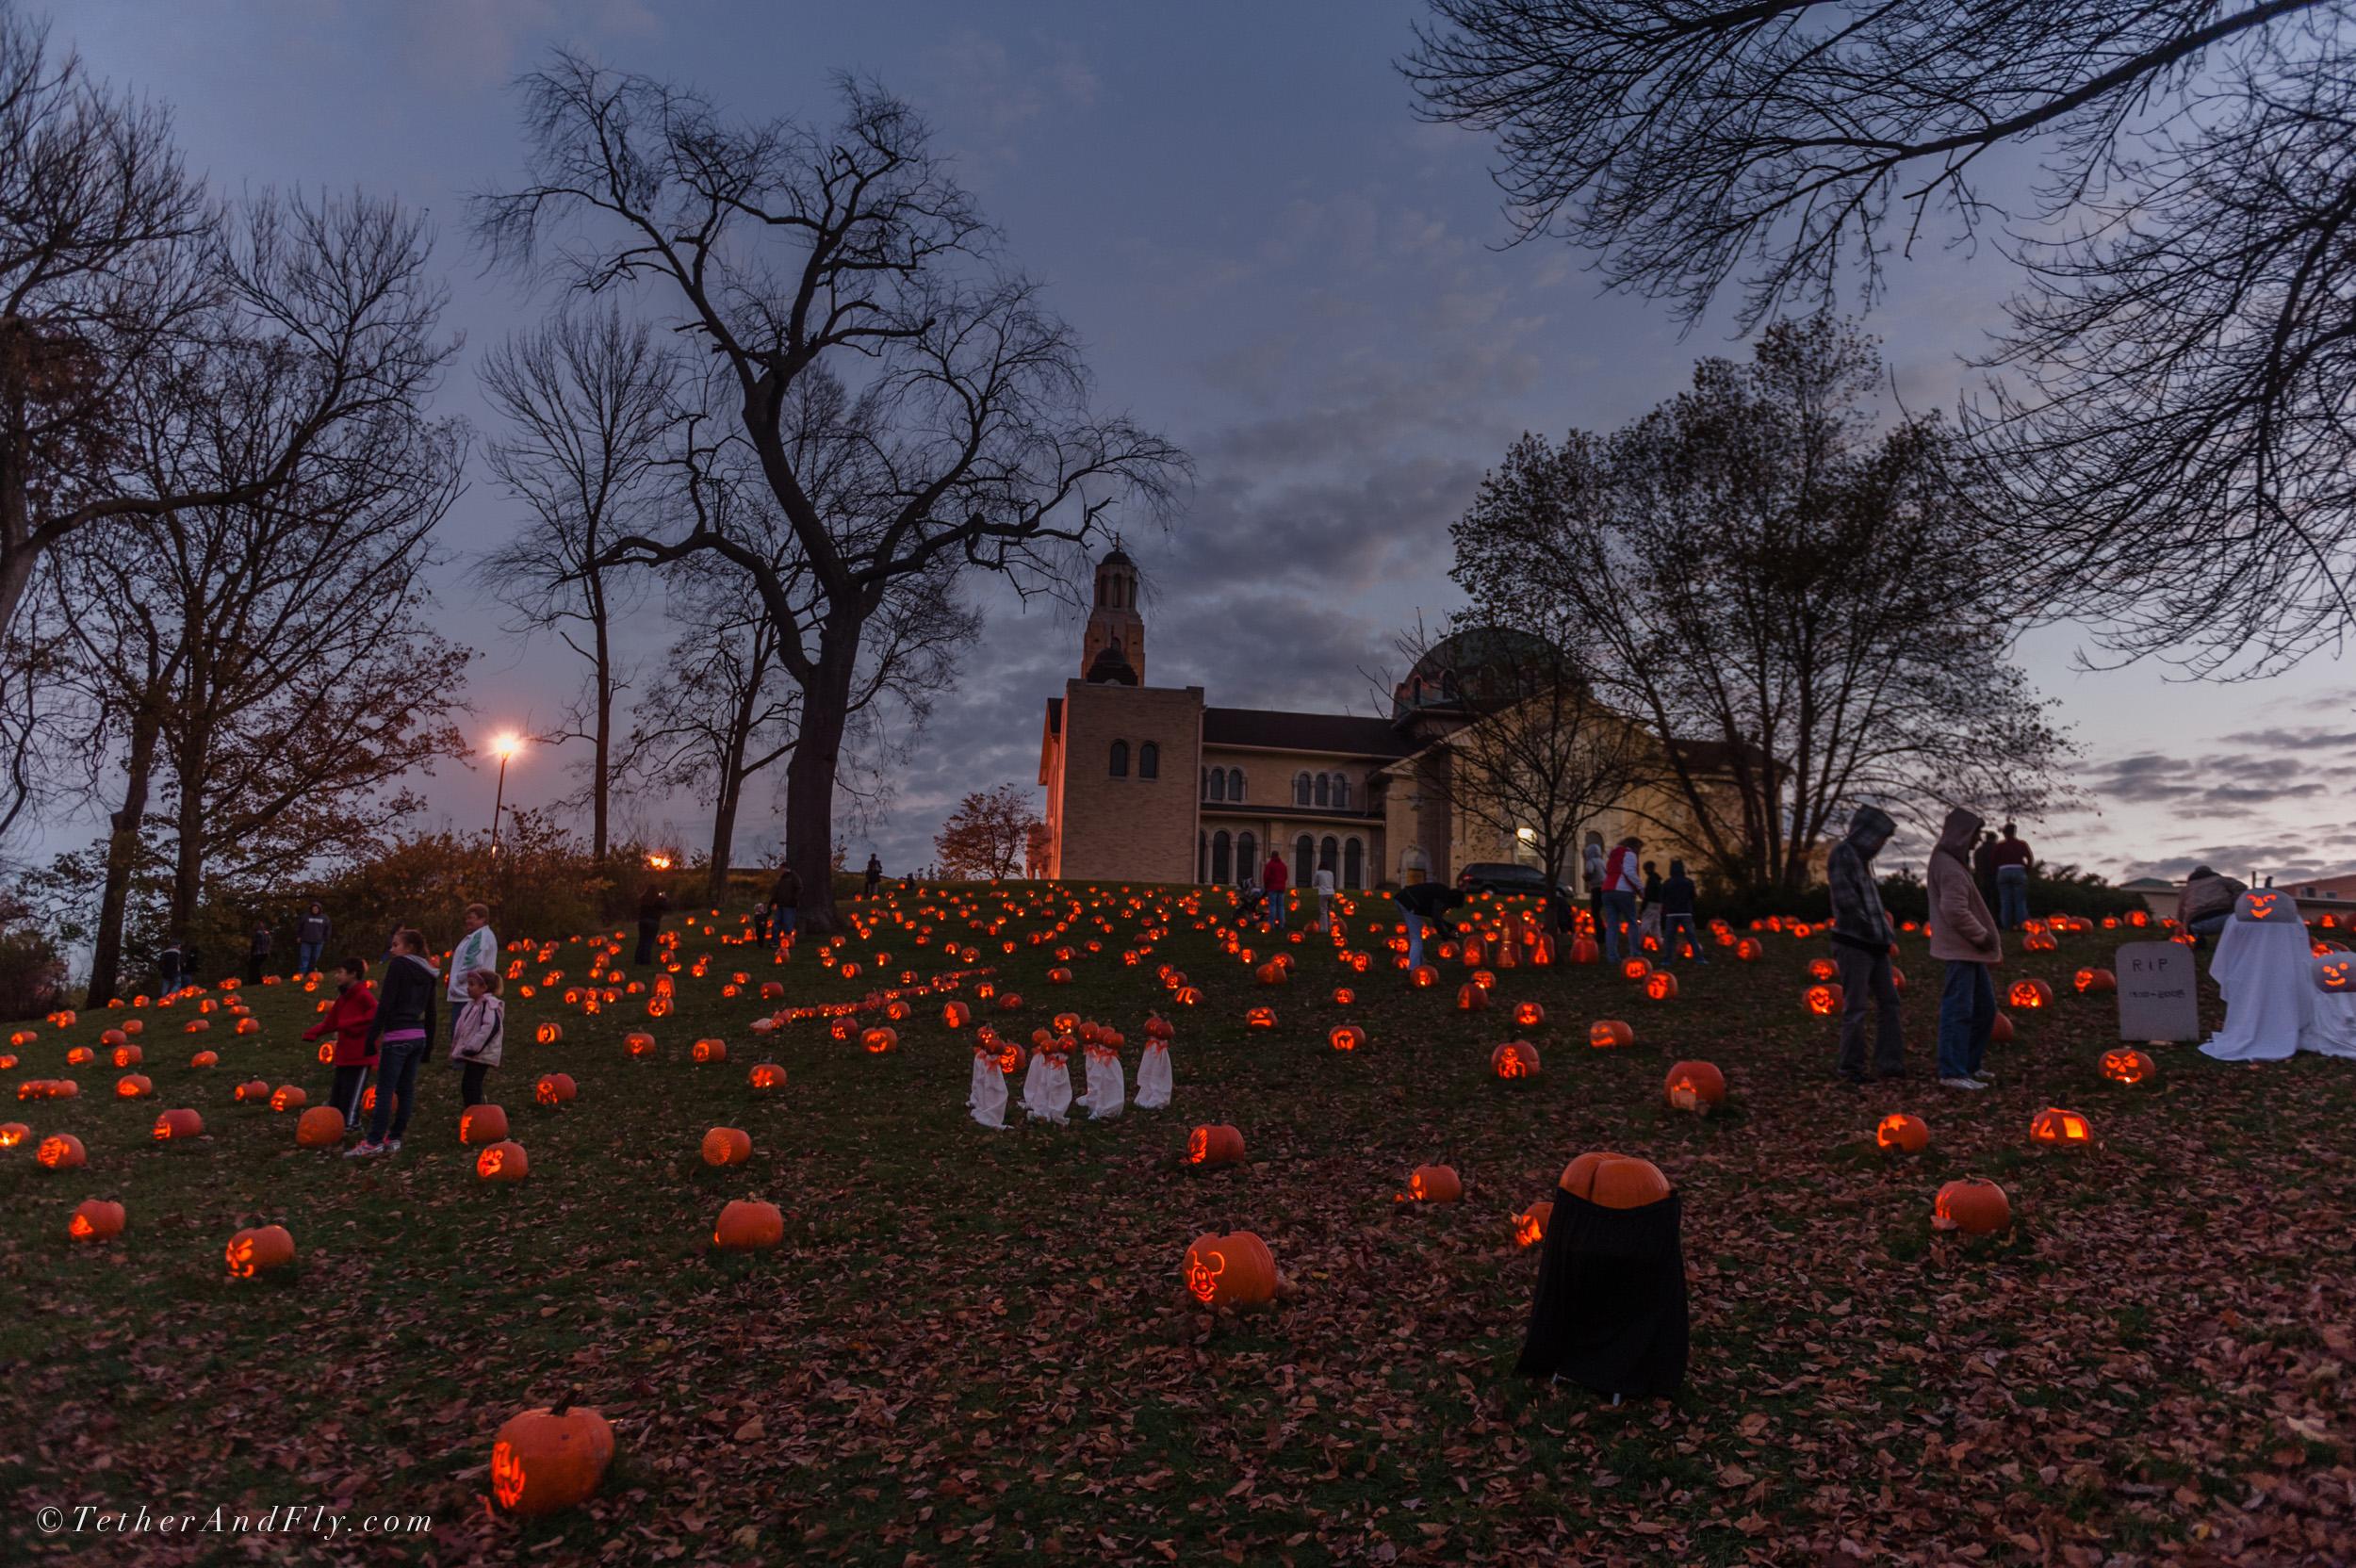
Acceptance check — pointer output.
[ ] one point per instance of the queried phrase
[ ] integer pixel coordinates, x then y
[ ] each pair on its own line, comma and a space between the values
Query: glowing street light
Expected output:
506, 746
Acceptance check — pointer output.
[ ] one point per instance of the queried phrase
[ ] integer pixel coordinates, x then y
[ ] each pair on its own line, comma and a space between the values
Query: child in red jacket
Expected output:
354, 1009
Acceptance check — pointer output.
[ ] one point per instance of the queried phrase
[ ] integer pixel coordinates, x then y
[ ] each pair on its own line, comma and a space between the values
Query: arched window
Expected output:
1219, 784
1353, 864
1300, 789
1234, 784
1149, 761
1325, 789
1219, 856
1201, 857
1328, 855
1341, 793
1247, 858
1121, 758
1304, 859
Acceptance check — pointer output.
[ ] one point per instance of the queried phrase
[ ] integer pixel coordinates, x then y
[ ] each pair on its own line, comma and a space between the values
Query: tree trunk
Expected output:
724, 823
602, 765
122, 853
188, 859
809, 774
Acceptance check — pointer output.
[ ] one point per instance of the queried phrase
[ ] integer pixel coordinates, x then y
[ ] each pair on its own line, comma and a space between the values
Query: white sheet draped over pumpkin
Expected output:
1153, 1076
2271, 1003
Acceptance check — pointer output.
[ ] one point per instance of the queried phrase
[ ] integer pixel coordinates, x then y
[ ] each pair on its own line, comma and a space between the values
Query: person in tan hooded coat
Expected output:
1964, 935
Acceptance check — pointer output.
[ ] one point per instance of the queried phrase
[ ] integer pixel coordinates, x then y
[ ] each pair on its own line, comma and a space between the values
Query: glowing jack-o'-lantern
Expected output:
60, 1152
1260, 1017
1059, 977
1661, 986
767, 1075
1530, 1226
1695, 1087
322, 1127
727, 1146
1976, 1206
481, 1124
1607, 1033
1214, 1146
548, 1034
879, 1039
1344, 996
125, 1055
95, 1220
2056, 1125
1472, 999
1821, 970
1423, 977
1514, 1059
178, 1124
1585, 951
1823, 1001
134, 1086
1435, 1183
81, 1056
1750, 950
639, 1044
2128, 1067
748, 1226
1272, 975
1011, 1002
1614, 1181
1636, 969
1485, 980
710, 1051
1345, 1036
286, 1097
1232, 1270
555, 1088
548, 1459
2030, 994
503, 1162
255, 1251
2095, 982
957, 1015
13, 1133
1908, 1135
2336, 971
2267, 905
1529, 1015
1065, 1023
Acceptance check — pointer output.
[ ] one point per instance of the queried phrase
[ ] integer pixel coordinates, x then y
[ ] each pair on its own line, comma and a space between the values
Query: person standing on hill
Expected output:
478, 948
785, 905
1273, 877
1964, 937
1324, 885
1676, 914
402, 1033
478, 1033
353, 1011
652, 904
1860, 945
258, 953
2013, 861
312, 932
168, 968
1621, 884
875, 875
1590, 862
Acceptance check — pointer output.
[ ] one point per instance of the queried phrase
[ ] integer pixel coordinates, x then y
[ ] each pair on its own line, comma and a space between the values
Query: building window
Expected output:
1301, 790
1341, 793
1305, 860
1217, 787
1329, 856
1234, 784
1202, 858
1149, 761
1325, 790
1121, 758
1247, 858
1353, 864
1219, 856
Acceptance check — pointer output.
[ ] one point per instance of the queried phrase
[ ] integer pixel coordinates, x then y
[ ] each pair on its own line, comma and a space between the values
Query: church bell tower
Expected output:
1114, 648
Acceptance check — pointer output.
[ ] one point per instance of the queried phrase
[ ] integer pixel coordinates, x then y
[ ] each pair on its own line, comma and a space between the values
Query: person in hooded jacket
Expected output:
402, 1031
1860, 945
1964, 935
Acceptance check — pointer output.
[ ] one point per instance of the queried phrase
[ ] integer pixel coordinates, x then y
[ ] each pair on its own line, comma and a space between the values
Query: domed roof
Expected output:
1118, 558
1474, 662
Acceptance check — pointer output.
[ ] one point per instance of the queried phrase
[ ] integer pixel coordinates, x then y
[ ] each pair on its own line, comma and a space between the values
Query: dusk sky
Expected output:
1272, 261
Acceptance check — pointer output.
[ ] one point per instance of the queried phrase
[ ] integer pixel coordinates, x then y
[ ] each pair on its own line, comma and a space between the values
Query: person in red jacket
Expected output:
354, 1010
1273, 877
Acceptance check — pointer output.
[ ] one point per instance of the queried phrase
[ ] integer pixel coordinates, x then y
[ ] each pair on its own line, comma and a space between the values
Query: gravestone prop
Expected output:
2157, 997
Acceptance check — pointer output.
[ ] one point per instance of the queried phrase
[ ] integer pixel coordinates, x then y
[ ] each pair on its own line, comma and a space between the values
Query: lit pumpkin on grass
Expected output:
197, 1026
81, 1056
322, 1127
1907, 1134
178, 1124
1514, 1059
1059, 976
1695, 1087
727, 1146
710, 1051
748, 1225
1272, 975
503, 1162
206, 1058
2129, 1067
1435, 1183
1823, 1001
1232, 1270
548, 1034
134, 1086
1211, 1146
1260, 1017
1472, 998
60, 1152
640, 1045
249, 1026
1822, 970
13, 1133
1423, 977
1529, 1015
2030, 994
1530, 1226
2095, 982
1635, 968
96, 1219
957, 1015
546, 1461
286, 1097
1660, 986
1750, 950
555, 1088
481, 1124
1585, 951
767, 1075
1345, 1036
1975, 1205
2056, 1125
254, 1093
1607, 1034
1344, 996
1614, 1181
258, 1250
879, 1039
125, 1055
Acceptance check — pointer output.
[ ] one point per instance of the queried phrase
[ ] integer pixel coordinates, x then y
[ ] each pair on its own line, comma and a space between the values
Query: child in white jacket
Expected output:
477, 1034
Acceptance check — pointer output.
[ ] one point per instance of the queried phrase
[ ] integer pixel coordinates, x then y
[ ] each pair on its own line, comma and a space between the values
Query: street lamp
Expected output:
506, 746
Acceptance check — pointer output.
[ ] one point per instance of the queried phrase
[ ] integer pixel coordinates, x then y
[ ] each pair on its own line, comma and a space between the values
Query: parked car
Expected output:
1502, 878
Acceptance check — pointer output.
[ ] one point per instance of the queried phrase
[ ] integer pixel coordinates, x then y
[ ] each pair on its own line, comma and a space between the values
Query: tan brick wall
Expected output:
1269, 815
1127, 830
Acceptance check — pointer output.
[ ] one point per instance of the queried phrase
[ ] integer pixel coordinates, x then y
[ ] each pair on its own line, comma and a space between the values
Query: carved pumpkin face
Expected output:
548, 1034
2128, 1067
879, 1039
555, 1088
95, 1220
1529, 1015
1636, 969
1975, 1206
2336, 971
1345, 1036
1607, 1033
1514, 1059
253, 1252
1530, 1226
1435, 1183
768, 1075
2056, 1125
640, 1045
1423, 977
60, 1152
1695, 1087
1233, 1270
1660, 986
2029, 995
503, 1162
1908, 1135
1823, 1001
1260, 1017
178, 1124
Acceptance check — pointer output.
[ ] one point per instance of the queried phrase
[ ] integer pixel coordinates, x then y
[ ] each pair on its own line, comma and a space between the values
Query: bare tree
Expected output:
989, 835
1797, 605
2177, 444
587, 402
789, 252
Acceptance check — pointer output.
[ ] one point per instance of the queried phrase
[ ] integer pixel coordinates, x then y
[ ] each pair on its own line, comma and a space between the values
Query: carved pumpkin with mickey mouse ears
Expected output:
1232, 1270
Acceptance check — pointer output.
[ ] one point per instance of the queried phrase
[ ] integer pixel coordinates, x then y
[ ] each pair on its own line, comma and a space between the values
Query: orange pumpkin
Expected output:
748, 1225
1529, 1015
1750, 950
768, 1075
1660, 986
555, 1088
1514, 1059
134, 1086
1606, 1033
12, 1133
548, 1034
1975, 1205
710, 1051
2094, 982
957, 1015
1059, 977
481, 1124
1614, 1181
1822, 970
286, 1097
178, 1124
1696, 1087
727, 1146
1423, 977
1260, 1017
60, 1152
1345, 1036
503, 1162
1344, 996
1908, 1135
1530, 1226
2125, 1066
2030, 994
546, 1461
879, 1039
96, 1219
1825, 1001
1636, 969
259, 1250
1472, 999
1232, 1270
2056, 1125
1435, 1183
1584, 950
2000, 1031
1211, 1146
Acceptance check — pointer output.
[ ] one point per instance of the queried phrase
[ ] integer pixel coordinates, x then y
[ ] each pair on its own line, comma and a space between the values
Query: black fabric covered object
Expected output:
1609, 1308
